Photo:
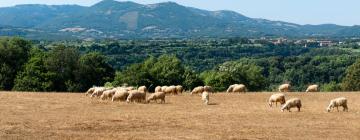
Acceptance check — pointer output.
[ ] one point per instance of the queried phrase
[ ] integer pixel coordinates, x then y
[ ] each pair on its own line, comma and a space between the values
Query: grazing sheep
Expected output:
108, 94
312, 88
163, 88
205, 97
197, 90
142, 89
155, 96
179, 89
120, 95
239, 88
170, 90
208, 88
294, 102
230, 89
90, 91
277, 98
342, 101
158, 89
98, 92
137, 96
284, 88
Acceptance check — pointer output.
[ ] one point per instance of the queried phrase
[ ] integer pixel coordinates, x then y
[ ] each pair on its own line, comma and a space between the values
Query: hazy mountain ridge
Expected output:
113, 19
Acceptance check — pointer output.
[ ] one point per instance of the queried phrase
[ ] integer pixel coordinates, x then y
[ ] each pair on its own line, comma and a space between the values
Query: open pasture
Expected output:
229, 116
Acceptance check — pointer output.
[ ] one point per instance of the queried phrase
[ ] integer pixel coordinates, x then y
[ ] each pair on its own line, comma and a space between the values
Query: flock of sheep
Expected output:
131, 94
296, 102
141, 94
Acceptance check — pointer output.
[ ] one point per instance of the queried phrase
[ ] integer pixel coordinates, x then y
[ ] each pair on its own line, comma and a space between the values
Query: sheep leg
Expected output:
337, 108
276, 104
299, 109
345, 108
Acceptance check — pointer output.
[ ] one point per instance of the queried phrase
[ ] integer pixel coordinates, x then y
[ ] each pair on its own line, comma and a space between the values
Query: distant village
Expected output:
309, 42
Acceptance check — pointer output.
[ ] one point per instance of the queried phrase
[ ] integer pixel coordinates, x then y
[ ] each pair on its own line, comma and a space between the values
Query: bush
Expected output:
330, 87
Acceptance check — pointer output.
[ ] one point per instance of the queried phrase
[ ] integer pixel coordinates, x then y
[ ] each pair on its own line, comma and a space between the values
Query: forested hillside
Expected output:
118, 20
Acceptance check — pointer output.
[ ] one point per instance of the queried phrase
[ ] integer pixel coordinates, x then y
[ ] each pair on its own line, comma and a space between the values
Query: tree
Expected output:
134, 75
243, 71
63, 61
218, 80
93, 70
351, 81
13, 54
191, 79
165, 70
34, 76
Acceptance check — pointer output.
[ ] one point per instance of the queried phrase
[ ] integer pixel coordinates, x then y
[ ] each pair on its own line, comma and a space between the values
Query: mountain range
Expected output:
114, 19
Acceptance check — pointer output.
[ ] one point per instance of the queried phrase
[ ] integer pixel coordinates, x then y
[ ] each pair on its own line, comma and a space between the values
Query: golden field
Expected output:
230, 116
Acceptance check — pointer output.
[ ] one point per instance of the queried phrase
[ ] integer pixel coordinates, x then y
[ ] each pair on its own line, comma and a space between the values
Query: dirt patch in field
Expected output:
230, 116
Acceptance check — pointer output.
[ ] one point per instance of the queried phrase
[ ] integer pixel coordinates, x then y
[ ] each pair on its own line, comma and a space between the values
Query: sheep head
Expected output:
282, 101
328, 109
331, 105
284, 107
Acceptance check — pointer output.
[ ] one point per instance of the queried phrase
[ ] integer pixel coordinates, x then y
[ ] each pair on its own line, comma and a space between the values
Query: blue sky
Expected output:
342, 12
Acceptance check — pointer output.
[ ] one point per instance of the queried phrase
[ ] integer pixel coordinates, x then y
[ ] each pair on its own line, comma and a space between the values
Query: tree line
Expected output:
30, 66
61, 68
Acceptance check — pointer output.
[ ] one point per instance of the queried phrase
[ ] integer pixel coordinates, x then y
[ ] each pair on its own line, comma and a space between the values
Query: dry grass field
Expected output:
230, 116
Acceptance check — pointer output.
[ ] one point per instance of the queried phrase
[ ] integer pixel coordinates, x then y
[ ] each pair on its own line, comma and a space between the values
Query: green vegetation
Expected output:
13, 54
351, 81
62, 69
261, 66
228, 73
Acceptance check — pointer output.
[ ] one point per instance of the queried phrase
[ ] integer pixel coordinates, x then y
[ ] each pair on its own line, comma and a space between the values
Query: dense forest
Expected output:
77, 65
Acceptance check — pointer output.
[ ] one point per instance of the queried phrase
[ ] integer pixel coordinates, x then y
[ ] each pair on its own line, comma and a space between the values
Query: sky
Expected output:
341, 12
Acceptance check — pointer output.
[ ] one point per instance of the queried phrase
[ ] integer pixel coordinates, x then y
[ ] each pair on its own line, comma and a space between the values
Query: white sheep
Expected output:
90, 91
108, 94
98, 92
239, 88
169, 90
120, 95
342, 101
137, 96
312, 88
208, 89
142, 89
163, 88
277, 98
284, 88
155, 96
205, 97
294, 102
179, 89
230, 89
197, 90
158, 89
